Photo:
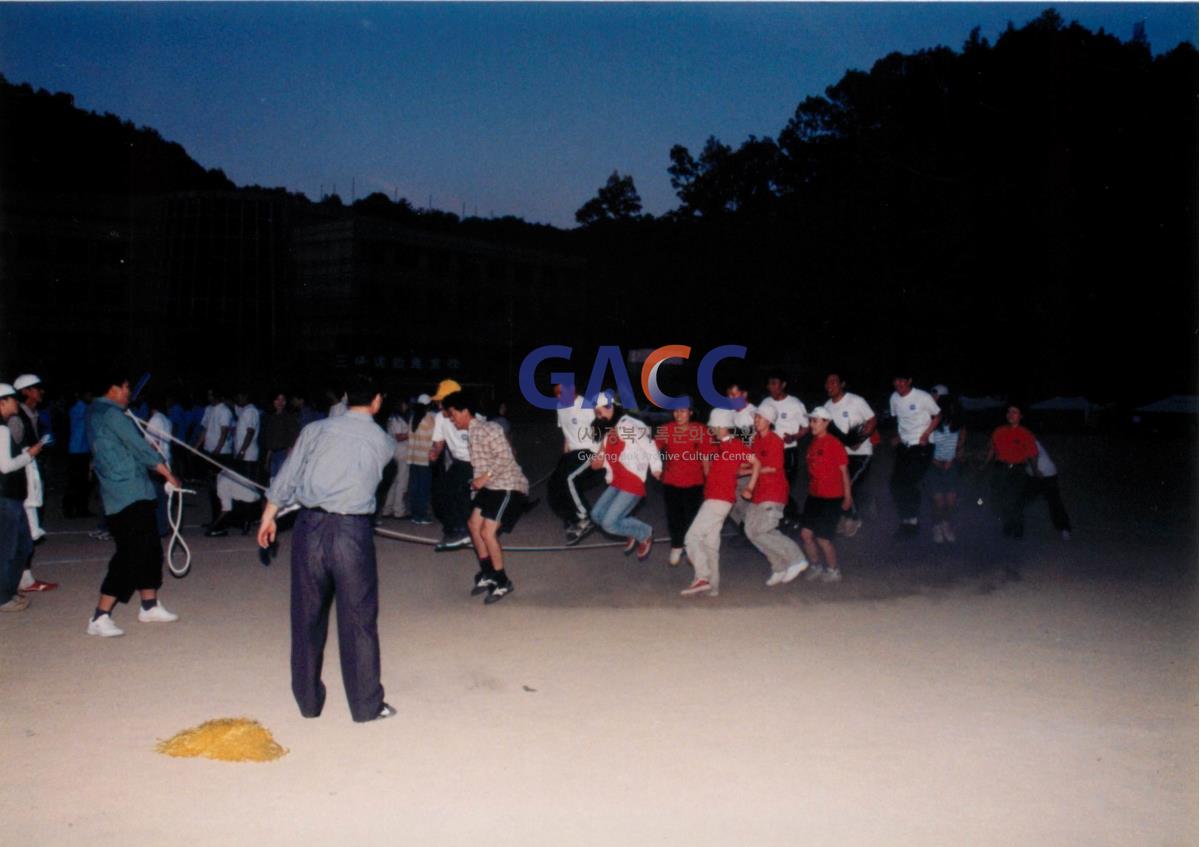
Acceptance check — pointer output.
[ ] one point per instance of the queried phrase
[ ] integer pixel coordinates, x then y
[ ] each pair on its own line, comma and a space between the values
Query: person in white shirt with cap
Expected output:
25, 430
16, 543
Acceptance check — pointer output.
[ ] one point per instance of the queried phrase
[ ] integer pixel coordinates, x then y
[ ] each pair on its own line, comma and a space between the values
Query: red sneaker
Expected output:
643, 549
630, 546
38, 585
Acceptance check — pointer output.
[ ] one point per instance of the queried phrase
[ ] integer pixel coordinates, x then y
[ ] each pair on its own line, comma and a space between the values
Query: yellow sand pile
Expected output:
226, 739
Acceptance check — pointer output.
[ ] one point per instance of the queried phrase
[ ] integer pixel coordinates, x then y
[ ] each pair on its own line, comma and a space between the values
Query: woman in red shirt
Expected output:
1012, 450
684, 444
828, 497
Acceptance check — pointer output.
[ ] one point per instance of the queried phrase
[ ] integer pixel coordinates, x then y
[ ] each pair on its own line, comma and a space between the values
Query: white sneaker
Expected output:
853, 525
776, 577
156, 614
104, 627
676, 556
938, 534
814, 573
794, 570
948, 532
831, 575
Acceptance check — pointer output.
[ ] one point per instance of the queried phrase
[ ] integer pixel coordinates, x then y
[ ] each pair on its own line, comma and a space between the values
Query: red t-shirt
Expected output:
727, 459
683, 447
771, 487
1014, 444
826, 458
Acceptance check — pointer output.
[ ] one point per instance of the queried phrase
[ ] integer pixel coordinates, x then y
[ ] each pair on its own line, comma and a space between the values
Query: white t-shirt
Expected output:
457, 440
399, 426
576, 423
216, 417
744, 418
849, 412
158, 430
792, 416
1045, 464
913, 412
248, 418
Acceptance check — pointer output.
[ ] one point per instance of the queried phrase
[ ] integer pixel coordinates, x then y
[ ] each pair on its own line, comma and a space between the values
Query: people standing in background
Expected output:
215, 439
1043, 482
79, 461
158, 436
395, 490
246, 435
917, 416
949, 442
685, 446
854, 425
25, 429
1012, 452
280, 429
16, 544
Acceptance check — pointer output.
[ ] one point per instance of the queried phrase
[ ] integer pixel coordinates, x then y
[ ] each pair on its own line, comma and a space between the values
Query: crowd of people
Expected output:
438, 457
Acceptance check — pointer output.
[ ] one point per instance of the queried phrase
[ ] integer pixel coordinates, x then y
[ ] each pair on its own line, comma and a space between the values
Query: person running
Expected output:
685, 445
574, 473
917, 416
332, 473
121, 458
500, 490
1012, 451
791, 425
730, 460
627, 454
949, 442
768, 500
854, 425
829, 497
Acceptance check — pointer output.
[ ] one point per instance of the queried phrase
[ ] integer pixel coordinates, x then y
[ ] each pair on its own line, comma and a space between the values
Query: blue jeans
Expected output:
420, 486
611, 514
16, 545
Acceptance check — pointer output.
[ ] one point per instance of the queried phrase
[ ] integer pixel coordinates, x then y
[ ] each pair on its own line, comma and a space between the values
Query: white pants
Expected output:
703, 540
396, 503
762, 528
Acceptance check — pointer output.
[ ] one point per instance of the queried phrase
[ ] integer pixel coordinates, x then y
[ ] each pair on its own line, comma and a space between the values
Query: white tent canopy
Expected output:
1176, 404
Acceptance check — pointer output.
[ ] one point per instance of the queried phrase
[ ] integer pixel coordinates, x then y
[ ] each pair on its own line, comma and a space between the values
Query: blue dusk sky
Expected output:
501, 109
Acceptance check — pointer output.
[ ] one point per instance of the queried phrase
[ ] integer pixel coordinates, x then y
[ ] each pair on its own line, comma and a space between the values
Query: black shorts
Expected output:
821, 516
504, 507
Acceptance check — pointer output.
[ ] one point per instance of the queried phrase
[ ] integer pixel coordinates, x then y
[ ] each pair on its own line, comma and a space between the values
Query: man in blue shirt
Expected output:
122, 460
332, 473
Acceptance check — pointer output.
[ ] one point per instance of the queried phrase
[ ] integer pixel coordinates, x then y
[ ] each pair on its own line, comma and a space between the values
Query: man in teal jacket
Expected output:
122, 461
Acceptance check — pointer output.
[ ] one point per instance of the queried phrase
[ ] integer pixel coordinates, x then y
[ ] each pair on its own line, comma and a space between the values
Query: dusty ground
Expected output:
997, 693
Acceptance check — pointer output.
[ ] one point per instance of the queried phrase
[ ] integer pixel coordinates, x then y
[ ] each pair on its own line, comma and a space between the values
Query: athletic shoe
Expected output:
794, 570
643, 549
421, 521
948, 532
630, 546
579, 531
699, 586
938, 535
38, 585
18, 603
776, 577
452, 544
831, 575
853, 525
156, 614
104, 627
499, 591
385, 712
676, 556
1066, 535
814, 573
483, 582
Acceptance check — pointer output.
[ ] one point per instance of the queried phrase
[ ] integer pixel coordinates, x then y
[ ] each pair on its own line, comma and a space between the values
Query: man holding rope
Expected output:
332, 473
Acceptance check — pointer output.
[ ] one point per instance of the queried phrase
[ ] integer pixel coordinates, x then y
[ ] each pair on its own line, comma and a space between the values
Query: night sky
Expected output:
496, 109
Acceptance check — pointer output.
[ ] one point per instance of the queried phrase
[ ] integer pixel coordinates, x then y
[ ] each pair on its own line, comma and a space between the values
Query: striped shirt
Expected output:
492, 454
420, 442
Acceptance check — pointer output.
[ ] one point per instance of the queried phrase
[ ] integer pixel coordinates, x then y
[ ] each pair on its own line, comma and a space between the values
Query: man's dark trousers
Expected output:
333, 558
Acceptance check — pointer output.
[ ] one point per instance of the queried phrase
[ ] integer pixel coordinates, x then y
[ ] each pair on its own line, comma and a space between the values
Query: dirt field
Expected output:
999, 692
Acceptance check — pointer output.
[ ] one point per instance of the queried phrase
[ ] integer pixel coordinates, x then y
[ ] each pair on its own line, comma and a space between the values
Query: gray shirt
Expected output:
336, 465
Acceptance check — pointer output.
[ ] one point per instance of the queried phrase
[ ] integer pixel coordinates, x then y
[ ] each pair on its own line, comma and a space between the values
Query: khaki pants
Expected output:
762, 528
703, 540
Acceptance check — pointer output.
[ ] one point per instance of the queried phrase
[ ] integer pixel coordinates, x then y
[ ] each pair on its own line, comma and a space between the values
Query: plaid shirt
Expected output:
492, 454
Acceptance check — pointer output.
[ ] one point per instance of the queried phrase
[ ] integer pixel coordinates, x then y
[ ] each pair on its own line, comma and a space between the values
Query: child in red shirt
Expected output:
829, 497
684, 444
729, 457
1013, 449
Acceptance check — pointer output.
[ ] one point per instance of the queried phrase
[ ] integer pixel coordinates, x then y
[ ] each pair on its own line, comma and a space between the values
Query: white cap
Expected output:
822, 413
721, 418
424, 399
768, 413
26, 381
940, 390
7, 390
